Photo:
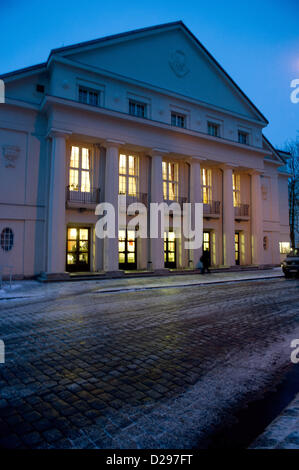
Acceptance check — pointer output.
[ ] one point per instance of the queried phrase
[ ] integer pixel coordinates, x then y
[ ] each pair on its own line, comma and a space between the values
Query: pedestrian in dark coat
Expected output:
206, 261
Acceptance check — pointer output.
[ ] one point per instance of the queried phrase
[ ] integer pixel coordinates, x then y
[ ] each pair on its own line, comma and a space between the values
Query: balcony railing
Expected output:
81, 197
180, 200
212, 208
242, 210
138, 197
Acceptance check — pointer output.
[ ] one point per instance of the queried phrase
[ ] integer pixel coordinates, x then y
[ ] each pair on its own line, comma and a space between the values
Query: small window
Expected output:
137, 109
213, 129
265, 243
243, 137
40, 88
89, 96
178, 120
7, 237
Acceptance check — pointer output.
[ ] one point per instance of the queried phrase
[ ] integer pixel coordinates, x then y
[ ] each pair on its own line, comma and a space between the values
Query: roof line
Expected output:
24, 69
141, 30
276, 151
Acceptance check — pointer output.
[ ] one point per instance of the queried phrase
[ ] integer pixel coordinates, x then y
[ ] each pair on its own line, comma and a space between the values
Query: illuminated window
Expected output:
170, 181
206, 185
206, 241
80, 170
284, 247
89, 96
213, 129
7, 237
178, 120
236, 189
137, 108
128, 174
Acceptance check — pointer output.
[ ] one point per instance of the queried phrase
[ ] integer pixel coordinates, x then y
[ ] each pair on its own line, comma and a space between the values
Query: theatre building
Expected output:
149, 114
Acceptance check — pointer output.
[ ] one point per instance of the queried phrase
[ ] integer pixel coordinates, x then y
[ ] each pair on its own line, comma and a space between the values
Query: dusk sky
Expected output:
257, 42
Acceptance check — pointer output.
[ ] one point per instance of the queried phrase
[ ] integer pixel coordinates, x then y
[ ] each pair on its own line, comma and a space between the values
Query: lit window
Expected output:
243, 137
236, 189
80, 171
7, 237
284, 247
137, 109
178, 120
128, 174
170, 181
213, 129
89, 96
206, 185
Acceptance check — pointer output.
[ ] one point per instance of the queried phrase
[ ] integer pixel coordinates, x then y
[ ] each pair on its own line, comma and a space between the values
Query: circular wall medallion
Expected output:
178, 64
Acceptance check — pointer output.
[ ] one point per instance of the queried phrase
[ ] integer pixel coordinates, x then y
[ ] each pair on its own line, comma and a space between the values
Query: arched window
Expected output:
7, 237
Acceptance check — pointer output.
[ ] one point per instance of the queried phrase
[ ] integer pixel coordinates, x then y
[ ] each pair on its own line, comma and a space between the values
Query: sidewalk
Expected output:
34, 289
283, 432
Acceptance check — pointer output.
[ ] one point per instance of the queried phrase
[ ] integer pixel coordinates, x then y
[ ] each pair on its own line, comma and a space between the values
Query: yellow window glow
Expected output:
74, 157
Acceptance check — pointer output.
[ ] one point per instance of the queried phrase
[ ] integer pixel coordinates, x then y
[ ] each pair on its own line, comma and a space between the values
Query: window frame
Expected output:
244, 134
236, 184
216, 125
7, 239
89, 91
206, 188
136, 103
81, 170
169, 182
176, 115
127, 175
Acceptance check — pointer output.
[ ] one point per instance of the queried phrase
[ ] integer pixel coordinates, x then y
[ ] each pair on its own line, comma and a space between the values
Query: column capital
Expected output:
108, 143
157, 152
229, 166
54, 132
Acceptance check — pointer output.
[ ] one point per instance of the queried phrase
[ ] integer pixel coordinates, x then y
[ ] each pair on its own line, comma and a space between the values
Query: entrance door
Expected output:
78, 250
127, 249
206, 245
169, 250
237, 248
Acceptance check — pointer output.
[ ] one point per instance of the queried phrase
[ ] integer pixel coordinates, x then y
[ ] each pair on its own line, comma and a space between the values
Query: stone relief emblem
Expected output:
10, 153
177, 63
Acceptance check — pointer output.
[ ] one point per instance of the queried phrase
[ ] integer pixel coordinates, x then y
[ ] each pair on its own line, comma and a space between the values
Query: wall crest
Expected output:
177, 63
10, 154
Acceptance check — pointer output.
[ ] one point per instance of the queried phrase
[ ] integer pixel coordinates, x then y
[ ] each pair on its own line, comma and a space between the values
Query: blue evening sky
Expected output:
256, 41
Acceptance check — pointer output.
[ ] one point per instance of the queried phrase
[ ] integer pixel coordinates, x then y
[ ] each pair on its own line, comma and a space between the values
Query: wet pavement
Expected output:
162, 367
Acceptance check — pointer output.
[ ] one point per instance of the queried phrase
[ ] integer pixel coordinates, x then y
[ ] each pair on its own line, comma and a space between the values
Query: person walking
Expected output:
206, 262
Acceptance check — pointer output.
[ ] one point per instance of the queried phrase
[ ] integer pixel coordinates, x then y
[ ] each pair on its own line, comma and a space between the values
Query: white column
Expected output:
228, 218
110, 255
157, 244
56, 210
256, 215
195, 197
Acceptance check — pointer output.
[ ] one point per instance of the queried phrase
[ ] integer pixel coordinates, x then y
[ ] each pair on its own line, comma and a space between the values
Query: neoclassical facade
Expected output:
148, 114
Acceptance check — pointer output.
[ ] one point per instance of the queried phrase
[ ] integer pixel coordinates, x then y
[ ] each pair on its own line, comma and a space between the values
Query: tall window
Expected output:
137, 108
89, 96
236, 189
206, 185
213, 129
178, 120
170, 181
80, 170
128, 174
243, 137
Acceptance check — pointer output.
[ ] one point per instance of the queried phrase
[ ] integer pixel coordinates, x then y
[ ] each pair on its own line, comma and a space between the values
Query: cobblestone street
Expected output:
158, 368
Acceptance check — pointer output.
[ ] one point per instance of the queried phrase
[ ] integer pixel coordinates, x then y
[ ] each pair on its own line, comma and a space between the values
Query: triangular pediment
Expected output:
168, 58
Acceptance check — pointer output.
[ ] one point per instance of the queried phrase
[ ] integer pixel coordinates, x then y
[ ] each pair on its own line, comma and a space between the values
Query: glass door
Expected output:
78, 250
169, 250
127, 249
